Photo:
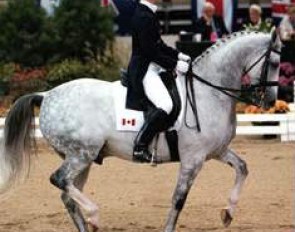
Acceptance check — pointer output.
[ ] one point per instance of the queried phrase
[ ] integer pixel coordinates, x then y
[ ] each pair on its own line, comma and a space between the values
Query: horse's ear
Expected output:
275, 36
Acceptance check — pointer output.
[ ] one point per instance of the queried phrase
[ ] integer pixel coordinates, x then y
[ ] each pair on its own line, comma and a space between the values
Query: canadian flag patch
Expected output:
131, 122
126, 119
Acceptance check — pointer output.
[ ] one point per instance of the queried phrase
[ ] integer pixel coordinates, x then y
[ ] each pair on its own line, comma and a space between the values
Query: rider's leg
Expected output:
156, 91
157, 120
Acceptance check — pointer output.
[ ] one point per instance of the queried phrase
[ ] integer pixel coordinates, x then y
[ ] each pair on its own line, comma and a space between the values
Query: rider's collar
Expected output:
151, 6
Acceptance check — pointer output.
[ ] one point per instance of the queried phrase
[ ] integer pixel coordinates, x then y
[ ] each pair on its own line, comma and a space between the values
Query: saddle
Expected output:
171, 135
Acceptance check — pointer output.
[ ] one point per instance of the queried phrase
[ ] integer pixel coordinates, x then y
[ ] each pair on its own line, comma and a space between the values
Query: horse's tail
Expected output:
18, 141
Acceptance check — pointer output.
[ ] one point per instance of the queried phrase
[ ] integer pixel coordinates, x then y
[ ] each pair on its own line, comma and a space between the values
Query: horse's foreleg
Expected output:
240, 167
64, 179
185, 180
73, 207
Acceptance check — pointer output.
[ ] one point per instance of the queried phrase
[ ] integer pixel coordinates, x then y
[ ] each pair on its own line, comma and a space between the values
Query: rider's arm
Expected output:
169, 50
151, 45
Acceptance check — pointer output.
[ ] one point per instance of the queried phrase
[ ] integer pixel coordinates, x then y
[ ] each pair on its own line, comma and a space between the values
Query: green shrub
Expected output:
69, 70
78, 30
22, 33
84, 29
6, 72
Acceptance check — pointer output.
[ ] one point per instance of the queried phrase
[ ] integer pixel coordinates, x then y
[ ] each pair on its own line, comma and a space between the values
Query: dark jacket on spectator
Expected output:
205, 30
147, 47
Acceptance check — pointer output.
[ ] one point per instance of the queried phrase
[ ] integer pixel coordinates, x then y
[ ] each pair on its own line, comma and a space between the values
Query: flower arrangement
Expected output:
286, 80
279, 107
287, 74
26, 80
28, 74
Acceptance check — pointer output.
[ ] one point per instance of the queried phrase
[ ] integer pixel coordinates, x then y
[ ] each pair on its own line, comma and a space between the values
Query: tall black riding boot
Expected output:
156, 122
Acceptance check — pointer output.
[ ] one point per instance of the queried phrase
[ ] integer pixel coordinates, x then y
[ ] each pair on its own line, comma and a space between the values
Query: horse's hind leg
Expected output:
240, 167
64, 178
73, 207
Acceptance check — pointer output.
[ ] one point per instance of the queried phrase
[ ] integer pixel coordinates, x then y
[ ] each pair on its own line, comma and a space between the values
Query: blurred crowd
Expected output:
211, 27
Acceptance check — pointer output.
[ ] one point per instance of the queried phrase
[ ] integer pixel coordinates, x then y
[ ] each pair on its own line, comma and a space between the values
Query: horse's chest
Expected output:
218, 137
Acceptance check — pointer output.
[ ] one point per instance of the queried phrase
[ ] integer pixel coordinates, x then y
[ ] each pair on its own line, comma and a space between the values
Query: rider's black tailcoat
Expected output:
147, 47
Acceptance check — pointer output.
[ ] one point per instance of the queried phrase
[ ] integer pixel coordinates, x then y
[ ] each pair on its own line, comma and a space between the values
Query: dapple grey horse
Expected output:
78, 121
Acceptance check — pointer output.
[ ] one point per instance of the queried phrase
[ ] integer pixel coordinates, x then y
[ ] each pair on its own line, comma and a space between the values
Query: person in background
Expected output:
256, 23
210, 26
287, 26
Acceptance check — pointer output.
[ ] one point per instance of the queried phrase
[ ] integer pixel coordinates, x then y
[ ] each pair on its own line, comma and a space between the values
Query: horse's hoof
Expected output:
226, 218
93, 225
93, 228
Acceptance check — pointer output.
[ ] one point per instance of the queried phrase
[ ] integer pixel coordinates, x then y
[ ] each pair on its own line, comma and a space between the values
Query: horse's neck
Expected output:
223, 67
224, 64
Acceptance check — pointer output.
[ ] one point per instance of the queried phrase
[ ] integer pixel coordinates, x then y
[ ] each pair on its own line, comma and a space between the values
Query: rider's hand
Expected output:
182, 67
184, 57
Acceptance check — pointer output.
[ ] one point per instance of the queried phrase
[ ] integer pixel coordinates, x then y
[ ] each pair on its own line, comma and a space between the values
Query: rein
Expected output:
191, 99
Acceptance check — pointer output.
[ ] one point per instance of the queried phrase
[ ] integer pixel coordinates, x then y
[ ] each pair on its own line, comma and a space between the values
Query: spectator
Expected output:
287, 26
210, 26
256, 23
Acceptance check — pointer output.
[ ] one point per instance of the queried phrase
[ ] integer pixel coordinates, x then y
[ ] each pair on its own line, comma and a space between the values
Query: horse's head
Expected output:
264, 71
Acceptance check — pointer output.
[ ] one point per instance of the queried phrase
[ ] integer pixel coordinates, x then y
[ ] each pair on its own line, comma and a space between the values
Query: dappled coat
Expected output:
147, 47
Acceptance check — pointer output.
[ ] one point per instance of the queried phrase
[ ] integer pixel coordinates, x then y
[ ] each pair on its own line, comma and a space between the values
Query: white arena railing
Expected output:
282, 125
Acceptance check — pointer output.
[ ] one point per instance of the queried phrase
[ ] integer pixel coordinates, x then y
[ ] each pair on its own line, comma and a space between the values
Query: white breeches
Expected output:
155, 89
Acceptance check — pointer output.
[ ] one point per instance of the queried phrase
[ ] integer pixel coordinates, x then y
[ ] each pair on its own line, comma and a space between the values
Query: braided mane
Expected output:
224, 41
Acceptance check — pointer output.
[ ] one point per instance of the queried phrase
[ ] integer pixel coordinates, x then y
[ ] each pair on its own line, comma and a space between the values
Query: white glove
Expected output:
182, 67
184, 57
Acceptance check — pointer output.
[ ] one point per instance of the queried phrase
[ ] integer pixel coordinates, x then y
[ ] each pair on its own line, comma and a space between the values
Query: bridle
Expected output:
261, 87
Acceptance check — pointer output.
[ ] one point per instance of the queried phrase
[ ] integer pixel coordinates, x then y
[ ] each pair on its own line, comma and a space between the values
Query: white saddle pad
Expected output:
133, 120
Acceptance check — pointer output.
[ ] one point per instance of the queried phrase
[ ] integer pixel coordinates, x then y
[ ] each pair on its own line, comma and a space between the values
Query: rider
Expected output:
150, 56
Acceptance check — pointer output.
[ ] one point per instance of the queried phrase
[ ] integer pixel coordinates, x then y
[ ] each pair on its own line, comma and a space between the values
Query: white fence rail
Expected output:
280, 124
285, 125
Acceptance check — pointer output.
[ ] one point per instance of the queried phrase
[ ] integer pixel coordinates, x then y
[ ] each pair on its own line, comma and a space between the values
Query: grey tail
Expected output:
19, 139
